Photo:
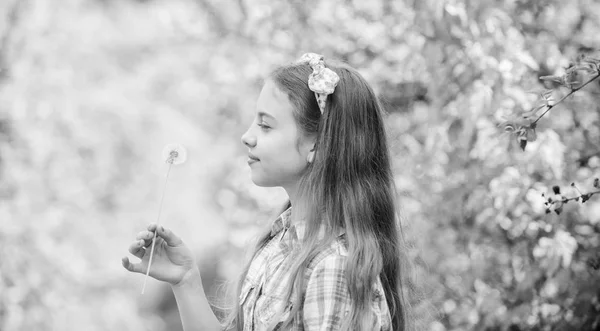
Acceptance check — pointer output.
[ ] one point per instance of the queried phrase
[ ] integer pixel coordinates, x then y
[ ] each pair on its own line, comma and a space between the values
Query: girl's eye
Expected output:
264, 126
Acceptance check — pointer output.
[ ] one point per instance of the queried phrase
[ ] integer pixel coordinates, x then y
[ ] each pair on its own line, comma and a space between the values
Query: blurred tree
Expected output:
90, 91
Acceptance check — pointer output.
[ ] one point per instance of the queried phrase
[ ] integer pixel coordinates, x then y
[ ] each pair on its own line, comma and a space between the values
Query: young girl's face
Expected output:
276, 156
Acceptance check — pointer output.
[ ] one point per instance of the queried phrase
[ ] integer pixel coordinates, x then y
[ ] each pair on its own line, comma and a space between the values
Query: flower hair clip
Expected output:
322, 81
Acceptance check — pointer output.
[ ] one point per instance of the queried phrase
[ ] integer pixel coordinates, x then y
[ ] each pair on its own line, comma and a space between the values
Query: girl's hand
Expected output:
172, 260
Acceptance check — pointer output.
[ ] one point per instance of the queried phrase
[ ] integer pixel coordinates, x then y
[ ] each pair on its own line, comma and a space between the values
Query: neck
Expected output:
292, 195
292, 192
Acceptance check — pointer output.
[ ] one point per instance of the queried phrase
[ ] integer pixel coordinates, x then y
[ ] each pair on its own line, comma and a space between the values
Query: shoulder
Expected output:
333, 256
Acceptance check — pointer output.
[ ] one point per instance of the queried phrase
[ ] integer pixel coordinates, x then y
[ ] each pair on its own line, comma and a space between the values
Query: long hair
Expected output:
349, 186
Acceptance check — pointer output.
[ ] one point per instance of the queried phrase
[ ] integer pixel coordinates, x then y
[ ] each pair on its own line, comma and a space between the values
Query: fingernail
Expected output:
162, 229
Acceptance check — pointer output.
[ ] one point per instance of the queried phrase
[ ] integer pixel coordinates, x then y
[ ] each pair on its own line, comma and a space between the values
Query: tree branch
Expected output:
563, 98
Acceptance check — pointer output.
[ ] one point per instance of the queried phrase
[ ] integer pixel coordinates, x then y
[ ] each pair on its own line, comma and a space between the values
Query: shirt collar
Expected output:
283, 222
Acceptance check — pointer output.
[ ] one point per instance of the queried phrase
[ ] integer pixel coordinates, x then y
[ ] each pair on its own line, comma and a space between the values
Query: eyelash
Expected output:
264, 127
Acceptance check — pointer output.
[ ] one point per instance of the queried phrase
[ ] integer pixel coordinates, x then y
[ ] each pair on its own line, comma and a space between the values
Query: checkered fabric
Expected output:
327, 300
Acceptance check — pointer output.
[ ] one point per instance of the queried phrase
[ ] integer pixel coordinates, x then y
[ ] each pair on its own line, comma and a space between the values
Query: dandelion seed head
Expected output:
174, 154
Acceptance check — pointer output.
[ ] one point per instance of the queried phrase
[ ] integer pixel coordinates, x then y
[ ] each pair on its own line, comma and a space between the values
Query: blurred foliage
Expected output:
91, 90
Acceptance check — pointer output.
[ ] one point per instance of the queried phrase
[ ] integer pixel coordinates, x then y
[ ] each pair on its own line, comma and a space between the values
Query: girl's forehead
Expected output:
274, 101
271, 90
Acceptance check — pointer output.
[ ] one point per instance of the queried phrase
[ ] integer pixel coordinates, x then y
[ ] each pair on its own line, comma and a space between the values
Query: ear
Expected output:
311, 156
308, 145
311, 153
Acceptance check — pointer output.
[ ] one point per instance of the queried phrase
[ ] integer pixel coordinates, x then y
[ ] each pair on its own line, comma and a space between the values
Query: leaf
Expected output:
557, 79
547, 96
509, 127
556, 189
534, 110
591, 59
558, 210
531, 135
522, 143
587, 67
524, 135
585, 197
563, 80
592, 62
570, 83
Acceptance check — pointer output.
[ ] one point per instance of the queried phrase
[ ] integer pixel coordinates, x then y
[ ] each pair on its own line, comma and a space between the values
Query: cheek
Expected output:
283, 160
279, 150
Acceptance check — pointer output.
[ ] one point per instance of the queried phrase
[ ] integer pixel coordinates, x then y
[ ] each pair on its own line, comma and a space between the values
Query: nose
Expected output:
248, 139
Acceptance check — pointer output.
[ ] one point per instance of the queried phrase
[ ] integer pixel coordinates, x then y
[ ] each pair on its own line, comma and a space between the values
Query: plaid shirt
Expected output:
327, 300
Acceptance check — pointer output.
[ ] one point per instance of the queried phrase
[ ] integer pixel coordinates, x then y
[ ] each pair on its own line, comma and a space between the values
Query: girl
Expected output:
334, 259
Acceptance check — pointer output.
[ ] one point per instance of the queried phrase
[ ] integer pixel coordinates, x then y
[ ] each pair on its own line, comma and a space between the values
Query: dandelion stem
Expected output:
156, 230
566, 96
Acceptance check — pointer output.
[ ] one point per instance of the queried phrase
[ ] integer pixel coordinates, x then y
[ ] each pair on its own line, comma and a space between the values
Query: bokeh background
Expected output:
91, 91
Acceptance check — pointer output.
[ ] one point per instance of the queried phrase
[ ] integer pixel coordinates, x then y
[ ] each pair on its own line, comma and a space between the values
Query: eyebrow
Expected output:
262, 113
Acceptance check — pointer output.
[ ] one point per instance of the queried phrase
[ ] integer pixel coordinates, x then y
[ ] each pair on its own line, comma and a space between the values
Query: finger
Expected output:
170, 238
147, 236
148, 243
133, 267
137, 249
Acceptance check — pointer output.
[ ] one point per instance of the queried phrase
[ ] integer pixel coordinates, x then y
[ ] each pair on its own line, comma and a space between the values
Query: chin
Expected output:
258, 181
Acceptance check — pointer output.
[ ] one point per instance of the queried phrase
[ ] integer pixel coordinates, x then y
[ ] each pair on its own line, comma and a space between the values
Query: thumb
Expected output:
170, 238
133, 267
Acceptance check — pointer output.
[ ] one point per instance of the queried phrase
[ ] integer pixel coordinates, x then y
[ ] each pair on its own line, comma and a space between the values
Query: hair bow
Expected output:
322, 81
